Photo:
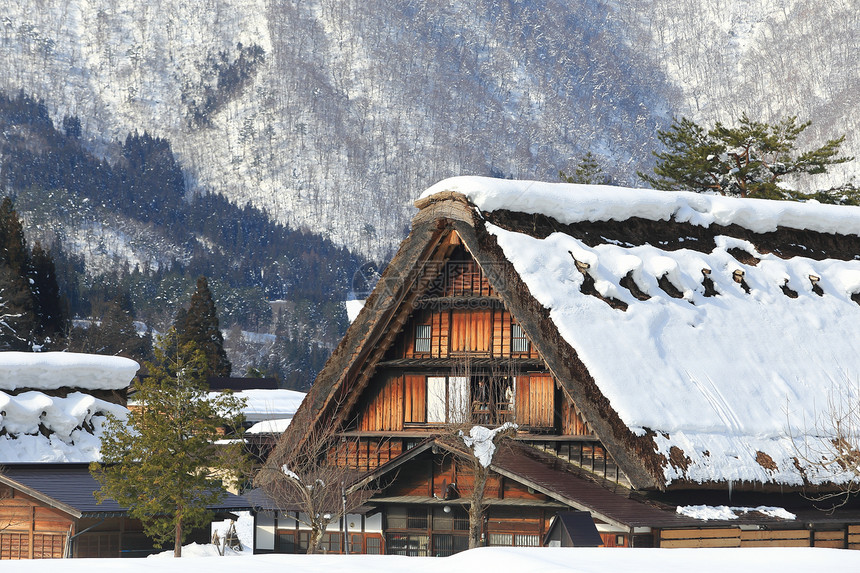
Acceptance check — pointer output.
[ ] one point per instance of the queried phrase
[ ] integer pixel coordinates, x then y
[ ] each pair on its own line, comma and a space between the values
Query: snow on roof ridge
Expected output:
571, 203
52, 370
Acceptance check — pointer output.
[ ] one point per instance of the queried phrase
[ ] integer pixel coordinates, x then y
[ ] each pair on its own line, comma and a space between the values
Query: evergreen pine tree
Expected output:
749, 160
199, 324
48, 305
587, 172
162, 462
16, 311
13, 246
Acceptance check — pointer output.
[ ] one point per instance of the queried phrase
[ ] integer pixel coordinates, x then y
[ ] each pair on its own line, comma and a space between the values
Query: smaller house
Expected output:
53, 407
49, 511
268, 410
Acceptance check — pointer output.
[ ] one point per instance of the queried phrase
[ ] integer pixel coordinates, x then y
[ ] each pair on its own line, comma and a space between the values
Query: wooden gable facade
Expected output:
451, 354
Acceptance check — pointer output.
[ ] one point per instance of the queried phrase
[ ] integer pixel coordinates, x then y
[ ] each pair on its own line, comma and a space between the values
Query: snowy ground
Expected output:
497, 560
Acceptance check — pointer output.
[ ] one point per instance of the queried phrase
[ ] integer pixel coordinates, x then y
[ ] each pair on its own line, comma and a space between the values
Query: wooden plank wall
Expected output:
30, 530
481, 331
832, 539
853, 537
734, 537
465, 278
780, 538
366, 453
384, 412
717, 537
535, 400
415, 399
471, 330
572, 423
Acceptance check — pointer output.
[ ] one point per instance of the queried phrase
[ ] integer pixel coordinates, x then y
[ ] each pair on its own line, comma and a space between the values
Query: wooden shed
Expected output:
49, 511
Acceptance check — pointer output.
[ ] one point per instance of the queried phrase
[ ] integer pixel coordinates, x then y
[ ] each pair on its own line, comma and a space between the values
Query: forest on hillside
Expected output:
122, 226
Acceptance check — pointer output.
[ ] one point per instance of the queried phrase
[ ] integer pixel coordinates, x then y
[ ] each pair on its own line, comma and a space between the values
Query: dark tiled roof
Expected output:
553, 478
239, 384
72, 485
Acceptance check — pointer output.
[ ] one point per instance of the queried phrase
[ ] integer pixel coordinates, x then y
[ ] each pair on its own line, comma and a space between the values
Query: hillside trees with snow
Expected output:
750, 159
163, 462
199, 325
32, 309
122, 221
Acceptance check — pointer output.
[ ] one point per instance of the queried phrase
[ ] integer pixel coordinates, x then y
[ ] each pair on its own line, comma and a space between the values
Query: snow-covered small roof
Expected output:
53, 370
276, 426
720, 382
270, 404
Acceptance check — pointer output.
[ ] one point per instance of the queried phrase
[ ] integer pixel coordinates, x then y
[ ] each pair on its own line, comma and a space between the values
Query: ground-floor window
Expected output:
14, 546
331, 542
410, 544
98, 545
513, 540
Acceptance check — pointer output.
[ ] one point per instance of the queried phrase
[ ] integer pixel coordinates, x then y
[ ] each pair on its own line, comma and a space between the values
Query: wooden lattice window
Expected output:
48, 546
519, 342
423, 336
14, 546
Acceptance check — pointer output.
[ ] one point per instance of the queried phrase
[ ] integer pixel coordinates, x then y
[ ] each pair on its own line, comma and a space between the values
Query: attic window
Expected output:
815, 286
519, 342
423, 334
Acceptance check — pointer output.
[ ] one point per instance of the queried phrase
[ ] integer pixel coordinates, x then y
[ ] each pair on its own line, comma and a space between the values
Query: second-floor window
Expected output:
519, 342
423, 333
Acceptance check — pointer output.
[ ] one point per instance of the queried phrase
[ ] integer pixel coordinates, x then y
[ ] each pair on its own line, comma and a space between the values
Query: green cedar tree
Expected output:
162, 462
199, 324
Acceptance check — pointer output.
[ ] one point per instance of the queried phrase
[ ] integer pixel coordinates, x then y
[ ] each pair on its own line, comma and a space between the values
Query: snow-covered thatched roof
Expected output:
713, 327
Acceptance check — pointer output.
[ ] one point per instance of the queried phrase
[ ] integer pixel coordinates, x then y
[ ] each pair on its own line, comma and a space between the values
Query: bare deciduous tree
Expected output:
313, 481
830, 450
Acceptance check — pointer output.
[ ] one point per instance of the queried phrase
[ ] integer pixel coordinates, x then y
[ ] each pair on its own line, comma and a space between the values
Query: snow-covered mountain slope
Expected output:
332, 114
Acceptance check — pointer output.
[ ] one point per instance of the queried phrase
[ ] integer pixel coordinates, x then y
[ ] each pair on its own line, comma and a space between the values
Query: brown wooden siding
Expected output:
716, 537
832, 539
853, 537
534, 404
384, 411
471, 331
735, 537
572, 423
366, 453
465, 278
484, 331
415, 399
30, 530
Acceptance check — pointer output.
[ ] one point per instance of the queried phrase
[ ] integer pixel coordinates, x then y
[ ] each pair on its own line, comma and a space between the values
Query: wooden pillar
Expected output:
31, 534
